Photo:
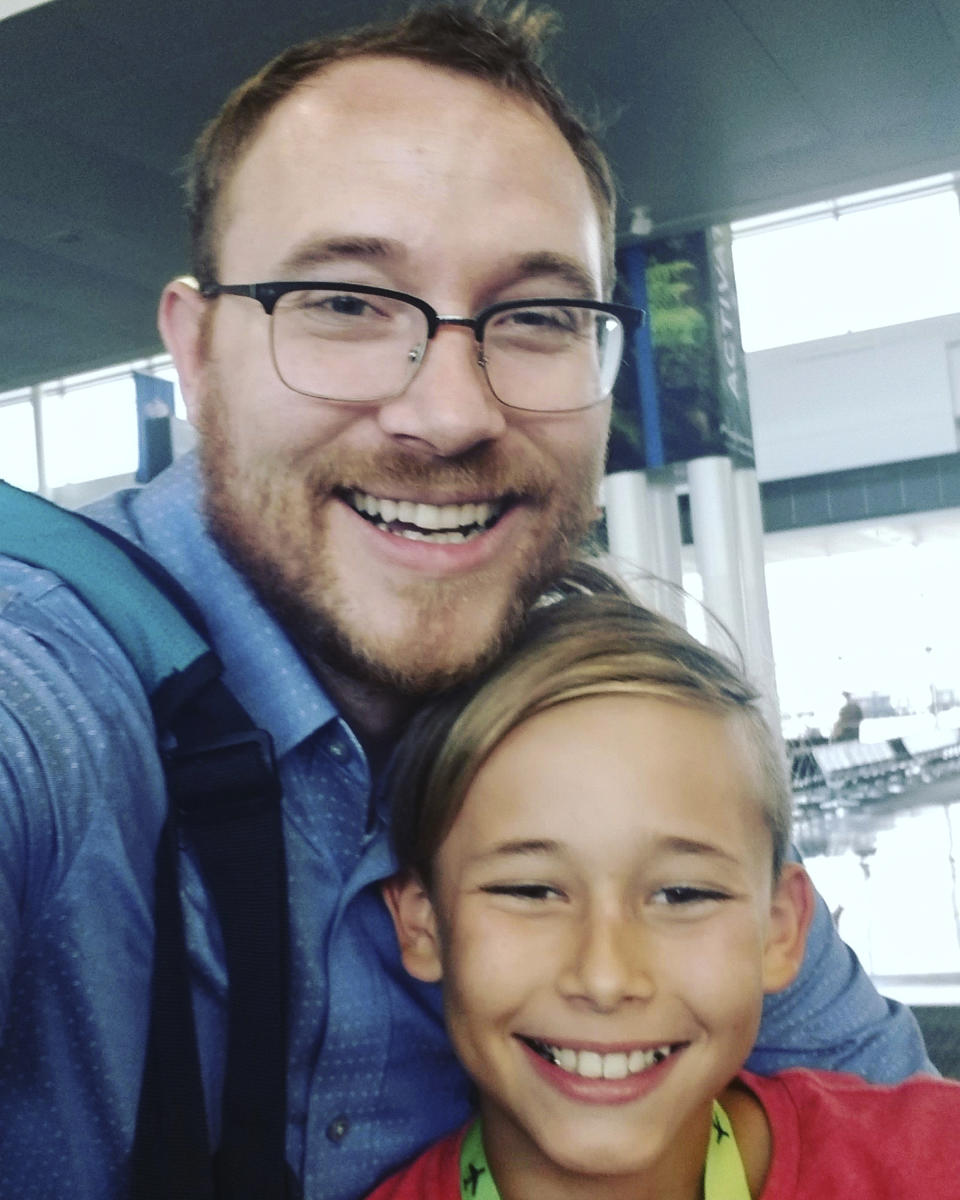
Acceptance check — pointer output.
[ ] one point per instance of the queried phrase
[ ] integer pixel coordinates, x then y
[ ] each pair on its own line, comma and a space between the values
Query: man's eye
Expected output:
541, 320
342, 304
350, 305
682, 894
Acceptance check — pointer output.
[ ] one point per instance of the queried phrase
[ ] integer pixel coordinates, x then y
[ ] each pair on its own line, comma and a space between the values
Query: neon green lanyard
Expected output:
723, 1176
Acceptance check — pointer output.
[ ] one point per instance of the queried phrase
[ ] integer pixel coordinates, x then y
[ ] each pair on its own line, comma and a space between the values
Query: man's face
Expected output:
387, 172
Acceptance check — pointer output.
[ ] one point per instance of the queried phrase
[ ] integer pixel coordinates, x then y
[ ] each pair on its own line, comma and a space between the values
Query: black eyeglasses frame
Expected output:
267, 295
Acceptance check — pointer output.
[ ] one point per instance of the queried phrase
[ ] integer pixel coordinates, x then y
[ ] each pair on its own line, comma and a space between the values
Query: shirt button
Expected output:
339, 751
338, 1129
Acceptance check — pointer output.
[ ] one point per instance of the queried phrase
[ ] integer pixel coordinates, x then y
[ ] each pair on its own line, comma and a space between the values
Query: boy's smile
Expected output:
605, 923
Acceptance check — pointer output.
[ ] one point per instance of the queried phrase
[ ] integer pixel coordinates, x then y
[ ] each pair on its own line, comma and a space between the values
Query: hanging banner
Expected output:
682, 393
154, 415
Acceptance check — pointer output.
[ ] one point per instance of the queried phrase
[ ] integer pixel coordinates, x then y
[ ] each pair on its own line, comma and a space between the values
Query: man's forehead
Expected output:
378, 92
368, 124
379, 81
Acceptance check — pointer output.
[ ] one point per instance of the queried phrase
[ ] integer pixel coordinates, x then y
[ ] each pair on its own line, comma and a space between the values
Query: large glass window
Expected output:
859, 262
18, 444
89, 432
89, 427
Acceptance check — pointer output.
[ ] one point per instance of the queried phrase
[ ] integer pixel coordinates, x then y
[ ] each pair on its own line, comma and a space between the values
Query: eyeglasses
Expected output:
359, 344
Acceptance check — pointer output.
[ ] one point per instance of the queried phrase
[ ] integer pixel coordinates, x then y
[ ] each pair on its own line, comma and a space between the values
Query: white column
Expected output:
758, 648
626, 498
643, 529
666, 528
713, 512
36, 403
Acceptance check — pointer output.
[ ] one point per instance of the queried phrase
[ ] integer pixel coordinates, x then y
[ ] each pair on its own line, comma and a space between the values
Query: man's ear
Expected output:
791, 912
416, 926
181, 318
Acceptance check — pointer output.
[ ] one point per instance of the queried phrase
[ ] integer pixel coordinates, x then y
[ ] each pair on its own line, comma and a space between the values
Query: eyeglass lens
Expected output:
356, 347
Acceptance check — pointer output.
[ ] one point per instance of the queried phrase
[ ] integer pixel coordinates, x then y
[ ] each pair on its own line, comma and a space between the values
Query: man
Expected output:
377, 499
849, 719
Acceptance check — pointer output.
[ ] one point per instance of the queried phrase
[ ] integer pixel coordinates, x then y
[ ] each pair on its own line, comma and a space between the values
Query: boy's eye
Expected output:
680, 894
523, 891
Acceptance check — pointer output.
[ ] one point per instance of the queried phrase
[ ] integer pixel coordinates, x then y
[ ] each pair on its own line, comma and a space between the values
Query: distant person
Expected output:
847, 725
593, 844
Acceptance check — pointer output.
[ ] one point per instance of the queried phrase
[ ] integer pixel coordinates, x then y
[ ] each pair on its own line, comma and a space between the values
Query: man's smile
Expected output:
442, 524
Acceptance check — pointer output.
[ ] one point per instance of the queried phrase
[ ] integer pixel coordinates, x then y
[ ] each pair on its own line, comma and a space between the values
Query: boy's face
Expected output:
605, 924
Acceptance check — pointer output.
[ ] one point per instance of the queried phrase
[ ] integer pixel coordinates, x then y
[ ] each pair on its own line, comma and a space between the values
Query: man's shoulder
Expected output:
66, 685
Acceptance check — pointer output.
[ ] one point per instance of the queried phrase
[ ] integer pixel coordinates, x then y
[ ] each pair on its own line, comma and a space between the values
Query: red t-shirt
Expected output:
834, 1138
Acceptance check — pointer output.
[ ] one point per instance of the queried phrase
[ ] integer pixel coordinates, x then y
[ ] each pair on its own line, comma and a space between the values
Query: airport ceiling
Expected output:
713, 110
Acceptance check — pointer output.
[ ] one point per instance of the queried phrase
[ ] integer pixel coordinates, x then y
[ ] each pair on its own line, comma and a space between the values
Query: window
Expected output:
860, 262
89, 427
18, 444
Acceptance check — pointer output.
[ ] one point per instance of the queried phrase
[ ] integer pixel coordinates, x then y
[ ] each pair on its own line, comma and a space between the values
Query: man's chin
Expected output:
428, 656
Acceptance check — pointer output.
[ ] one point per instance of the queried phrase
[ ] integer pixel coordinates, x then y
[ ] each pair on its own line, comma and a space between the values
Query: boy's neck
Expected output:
752, 1131
678, 1175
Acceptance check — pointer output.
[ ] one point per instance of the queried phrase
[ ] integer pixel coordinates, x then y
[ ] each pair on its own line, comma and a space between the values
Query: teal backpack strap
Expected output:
153, 631
224, 798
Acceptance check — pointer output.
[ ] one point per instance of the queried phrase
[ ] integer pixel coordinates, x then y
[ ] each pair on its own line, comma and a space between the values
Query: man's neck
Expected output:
375, 713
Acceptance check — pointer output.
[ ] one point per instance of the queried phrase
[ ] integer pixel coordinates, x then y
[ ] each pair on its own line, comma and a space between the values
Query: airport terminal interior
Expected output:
848, 291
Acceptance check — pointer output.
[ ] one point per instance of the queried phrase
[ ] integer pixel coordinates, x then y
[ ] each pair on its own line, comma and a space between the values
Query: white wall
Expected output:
857, 400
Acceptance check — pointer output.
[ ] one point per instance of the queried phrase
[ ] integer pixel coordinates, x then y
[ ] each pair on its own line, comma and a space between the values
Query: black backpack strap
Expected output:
225, 796
225, 801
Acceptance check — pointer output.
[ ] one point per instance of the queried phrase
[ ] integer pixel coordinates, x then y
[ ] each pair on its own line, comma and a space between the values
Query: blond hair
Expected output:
576, 646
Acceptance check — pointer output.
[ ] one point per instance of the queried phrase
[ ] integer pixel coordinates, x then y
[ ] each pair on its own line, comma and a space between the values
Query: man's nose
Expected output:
609, 961
448, 407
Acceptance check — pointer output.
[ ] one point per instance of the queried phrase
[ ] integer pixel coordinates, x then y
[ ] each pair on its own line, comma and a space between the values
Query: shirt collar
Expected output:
262, 667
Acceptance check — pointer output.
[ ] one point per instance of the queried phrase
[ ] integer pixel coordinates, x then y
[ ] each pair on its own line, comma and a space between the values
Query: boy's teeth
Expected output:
591, 1065
438, 523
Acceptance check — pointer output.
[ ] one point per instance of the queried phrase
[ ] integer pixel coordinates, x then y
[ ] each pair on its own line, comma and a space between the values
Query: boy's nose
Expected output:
608, 963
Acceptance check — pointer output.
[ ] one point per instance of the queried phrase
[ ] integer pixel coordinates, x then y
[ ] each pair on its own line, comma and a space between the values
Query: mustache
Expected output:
481, 471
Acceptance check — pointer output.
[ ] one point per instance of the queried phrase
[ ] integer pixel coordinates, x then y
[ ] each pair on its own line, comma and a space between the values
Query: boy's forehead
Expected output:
622, 770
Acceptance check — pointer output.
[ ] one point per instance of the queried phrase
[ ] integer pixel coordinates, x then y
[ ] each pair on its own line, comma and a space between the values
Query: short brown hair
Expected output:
504, 50
577, 646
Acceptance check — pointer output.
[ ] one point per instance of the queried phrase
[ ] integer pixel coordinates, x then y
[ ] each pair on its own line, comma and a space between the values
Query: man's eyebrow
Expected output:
318, 251
568, 270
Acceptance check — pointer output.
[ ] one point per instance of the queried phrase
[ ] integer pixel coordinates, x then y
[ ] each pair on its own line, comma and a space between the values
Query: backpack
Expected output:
224, 800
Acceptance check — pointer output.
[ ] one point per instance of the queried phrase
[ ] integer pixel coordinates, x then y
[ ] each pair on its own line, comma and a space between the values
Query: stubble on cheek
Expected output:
271, 516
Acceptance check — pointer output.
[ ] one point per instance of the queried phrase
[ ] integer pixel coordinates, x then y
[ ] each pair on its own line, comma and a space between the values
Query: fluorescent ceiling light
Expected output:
9, 8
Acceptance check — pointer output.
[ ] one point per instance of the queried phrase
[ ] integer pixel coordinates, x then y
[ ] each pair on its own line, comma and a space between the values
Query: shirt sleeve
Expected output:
60, 755
833, 1018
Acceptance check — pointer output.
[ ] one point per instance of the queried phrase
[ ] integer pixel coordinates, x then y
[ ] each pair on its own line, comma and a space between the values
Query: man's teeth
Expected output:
438, 523
591, 1065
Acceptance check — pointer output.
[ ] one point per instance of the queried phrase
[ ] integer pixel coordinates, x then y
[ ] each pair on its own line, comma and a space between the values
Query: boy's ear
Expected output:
791, 912
416, 926
180, 319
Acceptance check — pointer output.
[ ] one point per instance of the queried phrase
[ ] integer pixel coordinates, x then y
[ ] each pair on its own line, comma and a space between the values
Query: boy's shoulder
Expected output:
832, 1130
434, 1175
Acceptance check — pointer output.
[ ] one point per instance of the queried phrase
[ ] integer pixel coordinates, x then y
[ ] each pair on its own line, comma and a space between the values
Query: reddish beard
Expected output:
269, 517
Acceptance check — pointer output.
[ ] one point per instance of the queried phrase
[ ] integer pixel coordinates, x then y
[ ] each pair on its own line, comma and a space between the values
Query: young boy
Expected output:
591, 841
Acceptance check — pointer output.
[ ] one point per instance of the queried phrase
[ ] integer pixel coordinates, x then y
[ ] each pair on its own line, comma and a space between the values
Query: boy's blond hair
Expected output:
576, 646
